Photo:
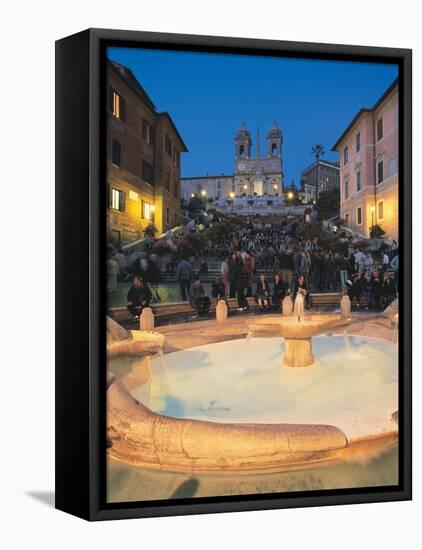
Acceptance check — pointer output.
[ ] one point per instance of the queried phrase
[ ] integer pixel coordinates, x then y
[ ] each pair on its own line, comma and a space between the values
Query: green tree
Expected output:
376, 232
318, 151
328, 203
150, 230
195, 205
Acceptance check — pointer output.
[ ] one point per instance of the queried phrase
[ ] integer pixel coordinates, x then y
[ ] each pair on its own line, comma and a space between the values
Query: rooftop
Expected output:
125, 74
364, 110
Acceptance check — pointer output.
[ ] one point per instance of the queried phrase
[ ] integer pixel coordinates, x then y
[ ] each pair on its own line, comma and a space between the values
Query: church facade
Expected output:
257, 175
254, 175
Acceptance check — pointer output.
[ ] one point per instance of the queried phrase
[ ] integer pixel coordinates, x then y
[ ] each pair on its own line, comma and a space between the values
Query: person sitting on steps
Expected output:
138, 297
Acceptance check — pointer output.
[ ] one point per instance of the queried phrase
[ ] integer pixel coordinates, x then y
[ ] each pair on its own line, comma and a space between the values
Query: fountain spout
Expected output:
299, 307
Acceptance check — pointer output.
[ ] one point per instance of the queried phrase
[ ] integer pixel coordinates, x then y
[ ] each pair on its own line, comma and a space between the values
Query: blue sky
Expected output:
210, 95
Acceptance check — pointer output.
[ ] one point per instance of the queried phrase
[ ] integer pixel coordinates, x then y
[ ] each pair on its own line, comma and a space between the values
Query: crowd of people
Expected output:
293, 265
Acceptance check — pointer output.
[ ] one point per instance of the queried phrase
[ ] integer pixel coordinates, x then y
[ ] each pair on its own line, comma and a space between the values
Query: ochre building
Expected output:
144, 151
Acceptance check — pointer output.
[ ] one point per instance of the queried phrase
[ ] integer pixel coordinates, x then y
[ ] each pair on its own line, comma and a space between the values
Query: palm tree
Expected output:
319, 151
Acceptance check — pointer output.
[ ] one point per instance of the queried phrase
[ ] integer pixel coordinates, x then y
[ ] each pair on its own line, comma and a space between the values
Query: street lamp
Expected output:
193, 195
231, 195
203, 192
290, 195
372, 210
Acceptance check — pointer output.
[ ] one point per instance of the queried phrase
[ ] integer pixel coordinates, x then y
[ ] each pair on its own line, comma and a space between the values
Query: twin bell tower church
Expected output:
256, 175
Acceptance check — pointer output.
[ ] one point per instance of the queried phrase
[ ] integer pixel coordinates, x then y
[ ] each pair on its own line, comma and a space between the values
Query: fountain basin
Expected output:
229, 407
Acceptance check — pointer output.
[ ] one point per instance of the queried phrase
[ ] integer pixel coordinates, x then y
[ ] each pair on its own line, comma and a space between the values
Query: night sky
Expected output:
210, 95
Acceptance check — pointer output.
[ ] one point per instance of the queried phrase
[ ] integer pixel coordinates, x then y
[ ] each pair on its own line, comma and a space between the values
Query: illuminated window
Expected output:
381, 210
117, 104
146, 210
117, 200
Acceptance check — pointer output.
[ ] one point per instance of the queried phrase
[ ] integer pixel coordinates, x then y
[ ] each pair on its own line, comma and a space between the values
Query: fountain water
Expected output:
248, 337
297, 331
299, 307
346, 341
287, 307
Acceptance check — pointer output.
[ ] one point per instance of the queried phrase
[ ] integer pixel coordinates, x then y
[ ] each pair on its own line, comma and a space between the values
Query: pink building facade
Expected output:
369, 167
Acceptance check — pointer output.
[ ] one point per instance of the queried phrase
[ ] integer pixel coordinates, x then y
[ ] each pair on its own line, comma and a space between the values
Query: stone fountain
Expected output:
139, 344
297, 330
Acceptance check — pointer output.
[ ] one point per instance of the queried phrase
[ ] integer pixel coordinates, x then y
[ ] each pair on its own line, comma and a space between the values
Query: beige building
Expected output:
212, 187
143, 160
368, 150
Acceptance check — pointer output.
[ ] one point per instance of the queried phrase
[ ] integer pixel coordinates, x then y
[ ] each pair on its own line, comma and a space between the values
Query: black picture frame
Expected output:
80, 282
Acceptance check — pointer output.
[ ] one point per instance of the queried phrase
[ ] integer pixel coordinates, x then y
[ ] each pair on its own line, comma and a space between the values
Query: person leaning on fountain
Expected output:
138, 297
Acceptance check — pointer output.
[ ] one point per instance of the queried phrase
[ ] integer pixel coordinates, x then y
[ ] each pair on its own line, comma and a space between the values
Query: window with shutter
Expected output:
122, 108
380, 129
117, 200
147, 172
116, 152
380, 171
122, 197
346, 155
147, 132
168, 145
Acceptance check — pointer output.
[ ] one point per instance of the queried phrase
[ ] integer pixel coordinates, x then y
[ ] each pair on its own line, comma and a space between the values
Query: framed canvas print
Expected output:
233, 274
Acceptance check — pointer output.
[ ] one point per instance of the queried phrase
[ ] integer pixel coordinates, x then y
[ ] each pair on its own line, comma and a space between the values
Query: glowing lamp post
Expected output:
372, 210
231, 195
